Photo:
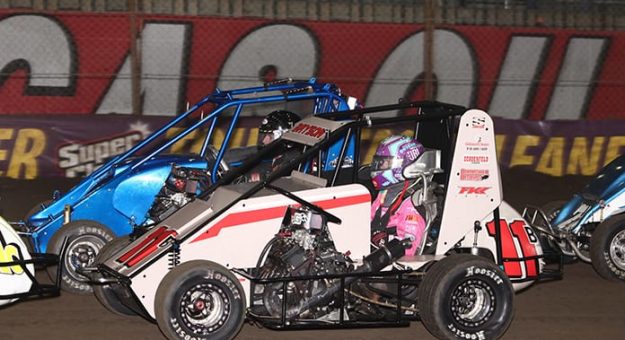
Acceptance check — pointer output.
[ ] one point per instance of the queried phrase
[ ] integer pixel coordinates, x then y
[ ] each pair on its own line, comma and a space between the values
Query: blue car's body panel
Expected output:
605, 187
120, 193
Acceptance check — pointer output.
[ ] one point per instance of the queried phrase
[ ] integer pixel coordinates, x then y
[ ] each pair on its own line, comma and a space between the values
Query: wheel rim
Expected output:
81, 252
472, 303
617, 250
205, 308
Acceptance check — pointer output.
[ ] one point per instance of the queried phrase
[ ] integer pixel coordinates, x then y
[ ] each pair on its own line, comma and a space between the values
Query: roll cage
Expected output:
326, 97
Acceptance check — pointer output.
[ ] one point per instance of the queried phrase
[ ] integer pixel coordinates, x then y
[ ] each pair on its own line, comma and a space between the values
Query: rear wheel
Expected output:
84, 238
466, 297
607, 249
104, 293
200, 300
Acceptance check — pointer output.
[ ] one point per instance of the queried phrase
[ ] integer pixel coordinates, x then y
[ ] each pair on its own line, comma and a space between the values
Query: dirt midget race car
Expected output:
117, 198
591, 225
17, 269
294, 250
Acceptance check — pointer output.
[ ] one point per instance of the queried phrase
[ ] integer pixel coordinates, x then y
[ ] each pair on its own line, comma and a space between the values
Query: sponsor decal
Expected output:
309, 130
478, 122
473, 174
475, 159
473, 190
478, 145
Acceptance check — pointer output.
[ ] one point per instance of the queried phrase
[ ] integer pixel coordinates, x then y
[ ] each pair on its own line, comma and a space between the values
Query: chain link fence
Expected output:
517, 59
523, 60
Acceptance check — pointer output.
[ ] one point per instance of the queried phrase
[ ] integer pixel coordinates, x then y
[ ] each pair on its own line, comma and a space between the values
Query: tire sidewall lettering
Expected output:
98, 231
219, 277
177, 328
478, 271
466, 335
613, 268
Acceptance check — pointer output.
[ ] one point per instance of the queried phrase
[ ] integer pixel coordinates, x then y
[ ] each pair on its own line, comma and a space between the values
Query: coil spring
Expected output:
174, 255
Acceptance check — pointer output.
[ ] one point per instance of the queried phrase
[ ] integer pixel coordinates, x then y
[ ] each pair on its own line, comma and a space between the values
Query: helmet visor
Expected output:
381, 163
266, 137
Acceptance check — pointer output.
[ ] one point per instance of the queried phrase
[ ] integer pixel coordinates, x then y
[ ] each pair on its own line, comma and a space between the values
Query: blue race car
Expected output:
591, 225
120, 196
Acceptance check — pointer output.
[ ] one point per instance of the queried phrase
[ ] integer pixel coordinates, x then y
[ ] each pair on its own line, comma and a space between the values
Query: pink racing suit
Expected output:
406, 220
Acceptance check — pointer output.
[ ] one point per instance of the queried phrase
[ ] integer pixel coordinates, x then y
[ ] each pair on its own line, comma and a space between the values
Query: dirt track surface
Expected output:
581, 306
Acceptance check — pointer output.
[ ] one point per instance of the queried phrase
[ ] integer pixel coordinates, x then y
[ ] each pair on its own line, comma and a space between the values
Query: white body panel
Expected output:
13, 279
474, 189
236, 238
615, 206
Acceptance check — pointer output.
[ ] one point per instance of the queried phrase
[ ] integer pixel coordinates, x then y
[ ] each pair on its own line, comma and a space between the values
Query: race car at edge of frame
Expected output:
590, 226
294, 249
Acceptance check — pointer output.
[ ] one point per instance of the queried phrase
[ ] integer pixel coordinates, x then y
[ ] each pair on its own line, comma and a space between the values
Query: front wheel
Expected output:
200, 300
607, 249
466, 297
84, 238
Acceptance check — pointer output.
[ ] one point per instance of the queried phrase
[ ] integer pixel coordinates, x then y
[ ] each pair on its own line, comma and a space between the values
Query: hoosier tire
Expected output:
104, 293
85, 238
607, 249
200, 300
466, 297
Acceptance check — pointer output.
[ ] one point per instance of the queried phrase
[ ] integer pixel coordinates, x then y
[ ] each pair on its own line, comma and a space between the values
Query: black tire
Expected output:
104, 293
37, 208
85, 238
193, 289
607, 249
449, 292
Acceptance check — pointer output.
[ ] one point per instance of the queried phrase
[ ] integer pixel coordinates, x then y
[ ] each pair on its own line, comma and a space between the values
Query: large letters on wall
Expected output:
79, 64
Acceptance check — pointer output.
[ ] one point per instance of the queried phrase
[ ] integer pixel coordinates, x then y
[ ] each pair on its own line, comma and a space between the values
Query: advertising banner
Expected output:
33, 147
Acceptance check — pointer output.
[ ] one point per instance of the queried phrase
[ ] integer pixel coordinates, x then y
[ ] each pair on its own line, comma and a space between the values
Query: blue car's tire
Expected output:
465, 297
607, 249
200, 300
84, 238
105, 293
36, 208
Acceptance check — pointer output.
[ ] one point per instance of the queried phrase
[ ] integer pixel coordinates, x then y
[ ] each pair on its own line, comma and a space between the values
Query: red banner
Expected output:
78, 63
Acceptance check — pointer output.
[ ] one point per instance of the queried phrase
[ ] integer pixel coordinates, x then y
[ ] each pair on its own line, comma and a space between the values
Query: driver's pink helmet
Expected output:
393, 154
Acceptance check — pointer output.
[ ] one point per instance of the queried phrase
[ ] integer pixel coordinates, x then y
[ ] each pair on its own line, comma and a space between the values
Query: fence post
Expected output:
428, 50
135, 59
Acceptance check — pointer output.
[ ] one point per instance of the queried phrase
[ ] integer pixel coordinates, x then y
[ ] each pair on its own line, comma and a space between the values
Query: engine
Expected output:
181, 186
299, 263
302, 248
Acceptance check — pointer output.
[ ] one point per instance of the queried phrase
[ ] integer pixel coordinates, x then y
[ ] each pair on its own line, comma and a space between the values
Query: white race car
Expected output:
17, 268
294, 250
